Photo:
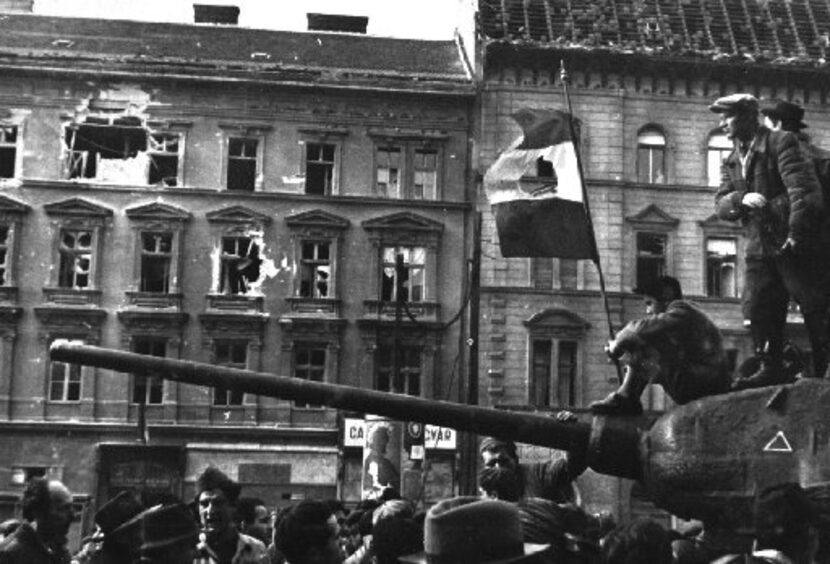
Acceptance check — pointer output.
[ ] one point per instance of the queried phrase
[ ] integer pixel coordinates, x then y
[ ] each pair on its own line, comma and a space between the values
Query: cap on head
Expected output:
734, 104
663, 288
788, 112
494, 444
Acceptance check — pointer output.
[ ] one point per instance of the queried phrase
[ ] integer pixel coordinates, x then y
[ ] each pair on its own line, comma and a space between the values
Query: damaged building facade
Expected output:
231, 196
642, 77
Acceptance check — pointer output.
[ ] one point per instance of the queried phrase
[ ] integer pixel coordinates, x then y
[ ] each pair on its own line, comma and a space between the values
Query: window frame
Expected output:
68, 366
713, 176
734, 294
407, 371
553, 380
180, 152
309, 347
12, 146
233, 398
253, 131
332, 135
150, 381
651, 175
408, 265
409, 147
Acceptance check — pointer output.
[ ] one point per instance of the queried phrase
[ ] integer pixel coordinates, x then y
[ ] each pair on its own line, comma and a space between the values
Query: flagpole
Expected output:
565, 80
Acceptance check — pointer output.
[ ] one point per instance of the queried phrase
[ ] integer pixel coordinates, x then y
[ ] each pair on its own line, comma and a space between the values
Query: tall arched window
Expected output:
651, 156
717, 150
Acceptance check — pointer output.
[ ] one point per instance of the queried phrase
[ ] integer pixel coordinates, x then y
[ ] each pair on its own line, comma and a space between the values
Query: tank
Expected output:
705, 460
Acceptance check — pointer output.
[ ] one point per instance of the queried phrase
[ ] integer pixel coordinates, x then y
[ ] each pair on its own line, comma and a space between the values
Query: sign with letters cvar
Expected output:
438, 438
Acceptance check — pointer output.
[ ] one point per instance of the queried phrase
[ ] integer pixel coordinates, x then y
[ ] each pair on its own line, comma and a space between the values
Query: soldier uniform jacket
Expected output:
690, 346
778, 169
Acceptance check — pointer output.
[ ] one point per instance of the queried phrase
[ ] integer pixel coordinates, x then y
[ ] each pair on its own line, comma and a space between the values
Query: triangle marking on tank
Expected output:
779, 443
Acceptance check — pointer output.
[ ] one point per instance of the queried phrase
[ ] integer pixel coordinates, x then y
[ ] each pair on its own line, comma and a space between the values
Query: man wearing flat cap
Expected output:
769, 184
785, 116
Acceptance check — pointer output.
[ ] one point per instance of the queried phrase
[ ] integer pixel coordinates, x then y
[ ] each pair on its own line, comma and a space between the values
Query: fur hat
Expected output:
475, 531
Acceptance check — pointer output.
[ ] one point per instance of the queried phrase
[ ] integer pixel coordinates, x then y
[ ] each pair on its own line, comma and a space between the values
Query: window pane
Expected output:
319, 172
541, 273
568, 273
540, 373
651, 256
566, 373
721, 257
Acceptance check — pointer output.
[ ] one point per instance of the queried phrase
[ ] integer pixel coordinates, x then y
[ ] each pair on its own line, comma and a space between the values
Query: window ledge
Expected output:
8, 295
71, 296
327, 306
154, 300
423, 311
235, 303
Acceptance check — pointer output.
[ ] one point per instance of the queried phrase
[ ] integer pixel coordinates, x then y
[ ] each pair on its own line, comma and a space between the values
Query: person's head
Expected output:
394, 537
738, 115
786, 520
253, 518
308, 533
216, 497
169, 534
496, 482
658, 293
642, 540
48, 505
499, 453
785, 116
475, 531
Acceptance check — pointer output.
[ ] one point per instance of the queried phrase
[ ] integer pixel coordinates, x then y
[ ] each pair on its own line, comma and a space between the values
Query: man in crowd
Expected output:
675, 345
551, 480
309, 534
770, 185
253, 518
219, 541
41, 539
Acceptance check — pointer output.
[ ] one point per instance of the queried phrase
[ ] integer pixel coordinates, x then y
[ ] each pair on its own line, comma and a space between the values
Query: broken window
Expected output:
240, 265
75, 258
242, 163
315, 270
164, 159
233, 354
156, 259
319, 169
412, 274
407, 170
65, 380
148, 389
100, 139
4, 254
8, 150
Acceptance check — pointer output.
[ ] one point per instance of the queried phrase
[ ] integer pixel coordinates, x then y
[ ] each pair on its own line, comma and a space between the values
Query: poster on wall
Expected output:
381, 457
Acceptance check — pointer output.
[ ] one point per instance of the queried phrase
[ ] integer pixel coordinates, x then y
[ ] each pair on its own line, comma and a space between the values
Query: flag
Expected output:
542, 216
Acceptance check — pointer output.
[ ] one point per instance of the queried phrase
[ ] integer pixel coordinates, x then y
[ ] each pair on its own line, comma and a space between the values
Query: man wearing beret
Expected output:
769, 184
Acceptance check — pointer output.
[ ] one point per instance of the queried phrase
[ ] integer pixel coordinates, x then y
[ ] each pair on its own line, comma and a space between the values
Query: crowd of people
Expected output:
509, 521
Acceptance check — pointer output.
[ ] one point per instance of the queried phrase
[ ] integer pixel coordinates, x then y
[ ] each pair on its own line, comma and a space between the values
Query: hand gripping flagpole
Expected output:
594, 248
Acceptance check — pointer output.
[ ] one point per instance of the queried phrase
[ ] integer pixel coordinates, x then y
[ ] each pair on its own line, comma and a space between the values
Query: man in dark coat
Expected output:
41, 539
769, 184
675, 345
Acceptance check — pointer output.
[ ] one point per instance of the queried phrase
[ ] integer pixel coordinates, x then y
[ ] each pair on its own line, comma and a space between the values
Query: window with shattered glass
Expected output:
8, 150
75, 258
233, 354
156, 259
240, 264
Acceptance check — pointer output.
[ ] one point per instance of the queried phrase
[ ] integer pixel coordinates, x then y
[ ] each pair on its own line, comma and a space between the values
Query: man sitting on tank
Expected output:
675, 345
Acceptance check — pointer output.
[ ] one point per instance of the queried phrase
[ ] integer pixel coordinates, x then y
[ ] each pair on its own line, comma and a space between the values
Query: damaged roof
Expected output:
220, 51
778, 32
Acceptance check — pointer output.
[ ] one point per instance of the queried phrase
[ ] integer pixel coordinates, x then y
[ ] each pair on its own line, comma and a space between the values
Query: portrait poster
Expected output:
381, 457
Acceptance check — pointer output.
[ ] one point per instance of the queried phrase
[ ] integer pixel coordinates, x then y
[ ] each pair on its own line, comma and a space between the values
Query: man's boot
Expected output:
626, 400
771, 372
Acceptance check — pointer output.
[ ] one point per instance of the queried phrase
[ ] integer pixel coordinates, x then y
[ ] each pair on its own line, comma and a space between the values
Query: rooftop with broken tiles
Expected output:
779, 32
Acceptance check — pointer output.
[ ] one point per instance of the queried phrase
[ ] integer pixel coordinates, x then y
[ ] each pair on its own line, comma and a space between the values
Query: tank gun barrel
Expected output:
521, 427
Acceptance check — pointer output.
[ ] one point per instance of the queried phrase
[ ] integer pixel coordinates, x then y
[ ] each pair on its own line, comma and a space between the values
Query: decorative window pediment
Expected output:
77, 207
403, 221
318, 219
75, 321
237, 214
9, 206
652, 216
157, 211
557, 321
153, 322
